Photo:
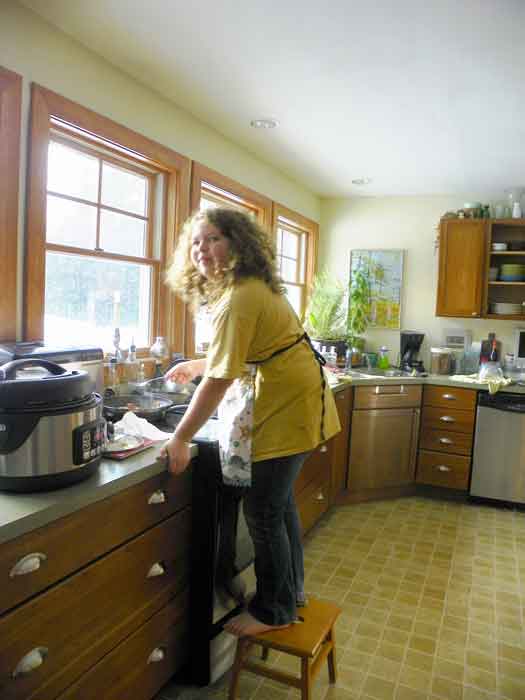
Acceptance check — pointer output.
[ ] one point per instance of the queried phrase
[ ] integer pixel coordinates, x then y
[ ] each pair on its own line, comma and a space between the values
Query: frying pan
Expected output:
150, 406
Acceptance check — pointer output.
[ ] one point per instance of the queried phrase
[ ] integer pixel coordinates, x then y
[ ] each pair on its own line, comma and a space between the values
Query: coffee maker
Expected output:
410, 345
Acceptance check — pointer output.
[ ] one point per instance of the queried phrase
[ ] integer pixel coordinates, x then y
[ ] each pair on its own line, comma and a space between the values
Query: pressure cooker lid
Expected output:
21, 388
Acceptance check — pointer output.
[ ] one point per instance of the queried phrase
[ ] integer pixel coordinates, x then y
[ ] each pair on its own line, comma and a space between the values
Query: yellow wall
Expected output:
42, 54
409, 223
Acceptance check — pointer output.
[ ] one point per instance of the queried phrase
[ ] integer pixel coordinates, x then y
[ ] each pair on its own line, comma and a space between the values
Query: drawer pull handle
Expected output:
446, 441
156, 655
443, 468
447, 419
156, 570
31, 661
381, 389
323, 448
157, 497
320, 496
31, 562
449, 397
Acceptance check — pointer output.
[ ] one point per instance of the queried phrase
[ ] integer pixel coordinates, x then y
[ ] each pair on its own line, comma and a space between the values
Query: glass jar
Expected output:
159, 348
382, 359
440, 360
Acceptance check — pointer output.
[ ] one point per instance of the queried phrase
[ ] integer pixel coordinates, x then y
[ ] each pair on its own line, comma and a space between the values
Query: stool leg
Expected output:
243, 646
306, 680
332, 662
265, 653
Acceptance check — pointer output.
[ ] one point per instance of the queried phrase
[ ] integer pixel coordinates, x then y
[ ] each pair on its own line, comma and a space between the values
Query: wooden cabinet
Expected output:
343, 401
447, 434
106, 572
503, 289
312, 486
462, 252
385, 426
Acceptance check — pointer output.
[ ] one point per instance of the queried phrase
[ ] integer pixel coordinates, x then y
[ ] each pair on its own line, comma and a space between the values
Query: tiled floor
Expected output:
433, 598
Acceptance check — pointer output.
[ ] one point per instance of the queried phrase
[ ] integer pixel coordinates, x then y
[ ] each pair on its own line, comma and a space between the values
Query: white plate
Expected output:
124, 442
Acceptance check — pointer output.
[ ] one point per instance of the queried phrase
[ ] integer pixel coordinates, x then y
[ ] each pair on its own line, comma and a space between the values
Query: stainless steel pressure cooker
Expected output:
51, 426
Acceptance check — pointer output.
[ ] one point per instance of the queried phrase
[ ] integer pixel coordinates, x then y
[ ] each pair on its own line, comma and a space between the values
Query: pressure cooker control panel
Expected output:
88, 442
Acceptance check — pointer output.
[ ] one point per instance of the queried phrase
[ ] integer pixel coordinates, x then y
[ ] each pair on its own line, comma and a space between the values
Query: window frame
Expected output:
201, 176
46, 106
311, 230
10, 121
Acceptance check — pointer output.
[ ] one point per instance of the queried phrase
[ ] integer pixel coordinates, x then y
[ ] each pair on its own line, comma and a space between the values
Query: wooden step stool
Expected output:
312, 641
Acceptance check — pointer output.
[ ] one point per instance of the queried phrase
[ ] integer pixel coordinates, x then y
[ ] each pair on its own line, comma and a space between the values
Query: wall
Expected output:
42, 54
409, 223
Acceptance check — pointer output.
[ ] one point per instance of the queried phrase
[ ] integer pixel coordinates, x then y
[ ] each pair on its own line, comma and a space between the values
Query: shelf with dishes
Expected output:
505, 290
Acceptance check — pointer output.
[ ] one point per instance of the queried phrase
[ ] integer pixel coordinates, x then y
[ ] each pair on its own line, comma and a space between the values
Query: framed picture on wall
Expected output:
385, 274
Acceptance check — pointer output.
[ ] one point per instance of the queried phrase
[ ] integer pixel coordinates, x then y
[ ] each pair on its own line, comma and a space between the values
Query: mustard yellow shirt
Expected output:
251, 322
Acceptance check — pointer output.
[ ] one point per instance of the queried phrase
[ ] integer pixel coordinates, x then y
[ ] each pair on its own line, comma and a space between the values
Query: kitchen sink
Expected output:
374, 372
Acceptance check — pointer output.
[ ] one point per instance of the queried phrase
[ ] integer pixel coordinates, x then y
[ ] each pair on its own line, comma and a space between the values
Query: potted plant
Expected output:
358, 314
325, 314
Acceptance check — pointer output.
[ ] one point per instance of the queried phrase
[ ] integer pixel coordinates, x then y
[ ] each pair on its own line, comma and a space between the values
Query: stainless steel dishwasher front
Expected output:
498, 467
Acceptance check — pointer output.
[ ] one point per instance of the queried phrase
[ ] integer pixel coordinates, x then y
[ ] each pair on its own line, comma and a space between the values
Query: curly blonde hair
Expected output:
252, 254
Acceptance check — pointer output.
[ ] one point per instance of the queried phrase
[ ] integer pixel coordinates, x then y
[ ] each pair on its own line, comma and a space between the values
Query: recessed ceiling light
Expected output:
264, 123
362, 181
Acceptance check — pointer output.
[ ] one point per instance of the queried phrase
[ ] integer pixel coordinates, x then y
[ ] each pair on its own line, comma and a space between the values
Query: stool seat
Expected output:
311, 639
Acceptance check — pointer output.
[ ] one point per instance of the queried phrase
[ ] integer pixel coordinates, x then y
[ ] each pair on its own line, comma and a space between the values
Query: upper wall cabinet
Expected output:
482, 268
462, 250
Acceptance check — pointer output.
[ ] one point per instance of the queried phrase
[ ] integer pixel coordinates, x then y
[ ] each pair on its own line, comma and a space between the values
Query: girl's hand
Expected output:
177, 453
185, 372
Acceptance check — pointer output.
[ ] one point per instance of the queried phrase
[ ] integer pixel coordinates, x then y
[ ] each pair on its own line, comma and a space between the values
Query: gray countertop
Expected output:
21, 513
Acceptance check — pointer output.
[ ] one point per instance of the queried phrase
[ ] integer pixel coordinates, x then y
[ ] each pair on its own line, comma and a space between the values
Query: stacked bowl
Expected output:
511, 272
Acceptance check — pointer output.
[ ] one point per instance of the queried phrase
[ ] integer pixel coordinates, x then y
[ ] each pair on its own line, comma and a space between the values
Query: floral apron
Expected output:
235, 414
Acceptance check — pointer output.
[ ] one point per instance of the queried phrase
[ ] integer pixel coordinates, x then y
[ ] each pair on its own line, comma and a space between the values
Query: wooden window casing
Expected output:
308, 230
48, 112
224, 191
10, 114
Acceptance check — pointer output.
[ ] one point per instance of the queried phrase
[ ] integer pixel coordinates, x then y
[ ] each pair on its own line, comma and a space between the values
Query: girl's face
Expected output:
210, 249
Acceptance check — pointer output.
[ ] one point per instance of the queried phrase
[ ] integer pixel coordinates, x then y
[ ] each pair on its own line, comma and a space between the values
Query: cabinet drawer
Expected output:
387, 396
65, 545
313, 501
82, 618
139, 666
319, 462
450, 397
451, 471
446, 441
449, 419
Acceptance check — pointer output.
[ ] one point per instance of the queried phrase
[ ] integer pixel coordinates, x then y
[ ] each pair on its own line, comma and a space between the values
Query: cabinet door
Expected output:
382, 448
462, 250
343, 401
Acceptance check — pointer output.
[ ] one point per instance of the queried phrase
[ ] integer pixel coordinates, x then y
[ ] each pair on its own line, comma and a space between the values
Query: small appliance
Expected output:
410, 344
51, 428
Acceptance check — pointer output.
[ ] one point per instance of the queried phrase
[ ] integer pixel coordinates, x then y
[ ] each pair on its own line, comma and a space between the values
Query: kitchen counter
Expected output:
21, 513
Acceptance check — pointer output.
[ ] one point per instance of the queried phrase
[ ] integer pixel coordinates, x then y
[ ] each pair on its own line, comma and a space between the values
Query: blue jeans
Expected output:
274, 526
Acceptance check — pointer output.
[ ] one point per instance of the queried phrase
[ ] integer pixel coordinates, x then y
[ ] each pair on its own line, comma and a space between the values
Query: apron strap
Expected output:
321, 361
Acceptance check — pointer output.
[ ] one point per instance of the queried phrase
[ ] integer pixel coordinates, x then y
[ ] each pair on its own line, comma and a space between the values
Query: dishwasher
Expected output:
498, 467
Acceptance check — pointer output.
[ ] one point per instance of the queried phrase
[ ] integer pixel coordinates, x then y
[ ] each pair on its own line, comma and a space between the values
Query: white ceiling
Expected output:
423, 96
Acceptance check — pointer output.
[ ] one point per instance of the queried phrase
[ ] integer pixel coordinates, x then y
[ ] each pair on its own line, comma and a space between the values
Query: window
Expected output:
209, 190
99, 238
10, 104
101, 228
296, 240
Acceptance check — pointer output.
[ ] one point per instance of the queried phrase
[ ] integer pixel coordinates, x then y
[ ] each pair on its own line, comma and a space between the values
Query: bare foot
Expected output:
245, 624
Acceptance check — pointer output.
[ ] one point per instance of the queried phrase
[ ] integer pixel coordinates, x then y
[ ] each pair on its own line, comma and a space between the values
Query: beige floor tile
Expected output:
448, 669
415, 678
422, 644
379, 688
511, 653
511, 688
405, 693
353, 658
481, 679
447, 689
416, 659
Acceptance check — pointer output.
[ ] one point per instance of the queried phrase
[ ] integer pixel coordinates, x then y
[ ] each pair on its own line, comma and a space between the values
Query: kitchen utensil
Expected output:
147, 406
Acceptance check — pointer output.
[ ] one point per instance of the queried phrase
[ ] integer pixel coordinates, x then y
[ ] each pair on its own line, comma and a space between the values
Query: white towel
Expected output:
130, 424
